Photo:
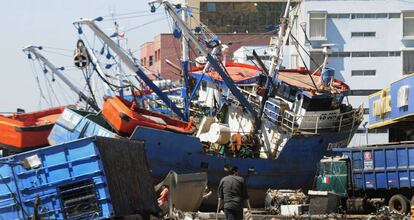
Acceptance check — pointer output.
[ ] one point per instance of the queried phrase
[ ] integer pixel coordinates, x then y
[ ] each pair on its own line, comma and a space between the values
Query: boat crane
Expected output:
35, 50
135, 67
187, 33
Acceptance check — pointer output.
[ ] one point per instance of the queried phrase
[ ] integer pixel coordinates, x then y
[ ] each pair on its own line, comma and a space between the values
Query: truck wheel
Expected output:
412, 201
399, 203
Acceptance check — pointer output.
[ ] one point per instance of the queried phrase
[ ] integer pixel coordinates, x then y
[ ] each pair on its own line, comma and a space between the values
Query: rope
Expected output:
36, 76
144, 24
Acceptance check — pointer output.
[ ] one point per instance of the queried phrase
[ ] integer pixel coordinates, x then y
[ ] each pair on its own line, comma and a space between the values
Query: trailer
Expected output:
370, 176
90, 178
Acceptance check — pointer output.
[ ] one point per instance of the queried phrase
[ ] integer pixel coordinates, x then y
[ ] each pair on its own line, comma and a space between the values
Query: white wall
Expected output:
388, 37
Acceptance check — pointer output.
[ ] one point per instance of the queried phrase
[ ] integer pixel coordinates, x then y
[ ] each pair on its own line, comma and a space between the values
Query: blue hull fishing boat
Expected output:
274, 124
294, 167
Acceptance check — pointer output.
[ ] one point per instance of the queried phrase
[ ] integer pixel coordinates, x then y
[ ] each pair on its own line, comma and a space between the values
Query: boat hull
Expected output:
28, 130
295, 168
124, 116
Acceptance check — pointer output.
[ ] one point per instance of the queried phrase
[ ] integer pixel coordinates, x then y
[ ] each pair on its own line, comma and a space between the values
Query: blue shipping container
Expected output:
382, 167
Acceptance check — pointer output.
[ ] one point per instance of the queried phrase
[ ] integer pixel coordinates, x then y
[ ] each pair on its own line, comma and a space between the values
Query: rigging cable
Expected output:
36, 76
304, 63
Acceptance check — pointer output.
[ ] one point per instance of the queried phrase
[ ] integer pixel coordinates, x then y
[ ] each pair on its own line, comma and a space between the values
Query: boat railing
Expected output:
315, 123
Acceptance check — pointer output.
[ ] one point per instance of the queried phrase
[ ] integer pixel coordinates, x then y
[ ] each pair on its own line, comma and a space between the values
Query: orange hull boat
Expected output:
124, 116
28, 130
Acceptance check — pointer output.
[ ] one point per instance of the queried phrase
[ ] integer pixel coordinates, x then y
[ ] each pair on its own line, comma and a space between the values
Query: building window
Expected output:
211, 6
360, 54
394, 15
372, 131
408, 24
408, 62
340, 54
145, 61
394, 53
317, 25
362, 92
362, 34
150, 60
379, 54
156, 56
339, 16
159, 54
369, 16
363, 72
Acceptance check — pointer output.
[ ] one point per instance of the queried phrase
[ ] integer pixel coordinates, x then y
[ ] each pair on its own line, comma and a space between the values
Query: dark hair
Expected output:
234, 169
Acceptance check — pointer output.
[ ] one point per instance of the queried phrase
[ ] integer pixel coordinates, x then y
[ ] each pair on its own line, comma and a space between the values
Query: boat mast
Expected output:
119, 65
187, 33
129, 63
184, 64
35, 50
276, 44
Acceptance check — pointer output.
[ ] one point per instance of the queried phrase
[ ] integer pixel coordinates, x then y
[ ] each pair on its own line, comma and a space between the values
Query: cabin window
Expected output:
317, 25
362, 34
408, 62
317, 104
203, 86
363, 72
408, 24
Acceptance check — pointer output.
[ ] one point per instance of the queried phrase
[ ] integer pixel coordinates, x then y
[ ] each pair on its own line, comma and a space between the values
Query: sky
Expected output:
49, 23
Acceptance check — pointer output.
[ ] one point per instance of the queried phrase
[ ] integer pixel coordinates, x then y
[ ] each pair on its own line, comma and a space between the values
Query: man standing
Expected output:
232, 193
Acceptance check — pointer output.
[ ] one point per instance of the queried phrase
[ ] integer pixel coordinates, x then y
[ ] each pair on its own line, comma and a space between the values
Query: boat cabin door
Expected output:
297, 105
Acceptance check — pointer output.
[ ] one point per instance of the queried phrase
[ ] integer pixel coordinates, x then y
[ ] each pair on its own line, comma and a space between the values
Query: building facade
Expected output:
237, 16
164, 47
372, 44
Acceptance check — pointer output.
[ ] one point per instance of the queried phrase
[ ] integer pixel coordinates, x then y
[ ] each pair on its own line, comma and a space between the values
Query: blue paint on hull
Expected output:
295, 168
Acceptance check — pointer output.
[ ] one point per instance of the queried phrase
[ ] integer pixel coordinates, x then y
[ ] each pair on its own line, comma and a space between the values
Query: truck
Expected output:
369, 177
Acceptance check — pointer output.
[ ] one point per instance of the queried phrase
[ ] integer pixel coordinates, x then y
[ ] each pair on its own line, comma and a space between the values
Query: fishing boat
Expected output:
285, 122
27, 130
124, 116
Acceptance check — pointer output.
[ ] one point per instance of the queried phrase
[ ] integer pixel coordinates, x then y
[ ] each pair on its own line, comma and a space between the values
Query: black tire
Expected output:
399, 203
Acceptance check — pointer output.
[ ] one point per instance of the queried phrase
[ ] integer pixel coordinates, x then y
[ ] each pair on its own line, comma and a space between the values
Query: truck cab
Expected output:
333, 175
